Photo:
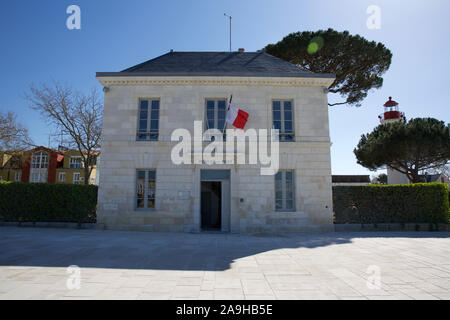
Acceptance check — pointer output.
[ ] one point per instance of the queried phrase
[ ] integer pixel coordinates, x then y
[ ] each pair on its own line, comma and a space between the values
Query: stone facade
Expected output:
177, 204
395, 177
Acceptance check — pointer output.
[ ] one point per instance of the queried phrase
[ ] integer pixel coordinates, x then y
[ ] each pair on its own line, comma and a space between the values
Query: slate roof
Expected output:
216, 64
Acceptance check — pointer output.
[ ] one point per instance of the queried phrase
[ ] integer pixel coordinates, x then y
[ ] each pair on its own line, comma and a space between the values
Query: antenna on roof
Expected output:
230, 27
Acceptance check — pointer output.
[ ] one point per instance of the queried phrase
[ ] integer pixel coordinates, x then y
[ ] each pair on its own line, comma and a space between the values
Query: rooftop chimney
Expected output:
241, 50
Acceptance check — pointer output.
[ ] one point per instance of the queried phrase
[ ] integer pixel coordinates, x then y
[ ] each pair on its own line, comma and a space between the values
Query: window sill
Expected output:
146, 141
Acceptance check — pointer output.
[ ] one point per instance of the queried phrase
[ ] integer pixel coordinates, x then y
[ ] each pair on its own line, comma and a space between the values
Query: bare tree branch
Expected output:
80, 115
13, 136
337, 104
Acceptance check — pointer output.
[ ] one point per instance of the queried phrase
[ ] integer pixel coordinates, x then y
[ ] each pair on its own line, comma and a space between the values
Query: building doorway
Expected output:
215, 200
211, 205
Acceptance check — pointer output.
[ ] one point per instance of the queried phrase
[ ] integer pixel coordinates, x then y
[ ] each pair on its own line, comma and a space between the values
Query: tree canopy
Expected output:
407, 147
357, 63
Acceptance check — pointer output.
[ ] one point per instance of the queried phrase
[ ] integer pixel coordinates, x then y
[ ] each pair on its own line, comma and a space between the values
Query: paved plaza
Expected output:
139, 265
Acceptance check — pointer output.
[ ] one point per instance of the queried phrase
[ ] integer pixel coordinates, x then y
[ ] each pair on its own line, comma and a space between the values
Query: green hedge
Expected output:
414, 203
46, 202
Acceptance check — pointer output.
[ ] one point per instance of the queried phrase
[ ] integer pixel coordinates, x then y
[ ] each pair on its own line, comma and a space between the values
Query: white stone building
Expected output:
140, 188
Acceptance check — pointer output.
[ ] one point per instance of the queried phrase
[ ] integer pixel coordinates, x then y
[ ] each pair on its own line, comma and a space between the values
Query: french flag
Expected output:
236, 117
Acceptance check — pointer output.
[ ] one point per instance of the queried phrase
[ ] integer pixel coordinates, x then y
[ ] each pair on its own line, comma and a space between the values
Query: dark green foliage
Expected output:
413, 203
412, 147
357, 63
382, 178
46, 202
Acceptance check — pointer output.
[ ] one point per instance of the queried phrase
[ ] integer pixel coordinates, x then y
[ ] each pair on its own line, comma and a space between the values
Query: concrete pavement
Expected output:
138, 265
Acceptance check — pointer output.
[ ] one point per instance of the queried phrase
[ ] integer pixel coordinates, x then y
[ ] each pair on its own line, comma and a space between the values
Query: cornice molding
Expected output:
213, 81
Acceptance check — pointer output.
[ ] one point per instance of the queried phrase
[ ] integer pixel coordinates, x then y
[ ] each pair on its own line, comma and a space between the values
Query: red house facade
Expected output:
40, 165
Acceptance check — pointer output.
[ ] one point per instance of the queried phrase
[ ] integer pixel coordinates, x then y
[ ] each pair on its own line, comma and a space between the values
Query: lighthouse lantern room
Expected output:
391, 112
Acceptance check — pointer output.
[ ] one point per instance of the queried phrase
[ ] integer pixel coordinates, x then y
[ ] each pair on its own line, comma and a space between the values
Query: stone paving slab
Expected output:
141, 265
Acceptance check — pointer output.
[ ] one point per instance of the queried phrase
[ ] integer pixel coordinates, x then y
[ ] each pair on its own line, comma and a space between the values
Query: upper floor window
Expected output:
148, 126
39, 160
216, 112
75, 162
283, 119
284, 190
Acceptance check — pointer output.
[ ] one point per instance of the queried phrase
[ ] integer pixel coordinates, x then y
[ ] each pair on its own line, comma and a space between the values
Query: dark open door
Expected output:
211, 205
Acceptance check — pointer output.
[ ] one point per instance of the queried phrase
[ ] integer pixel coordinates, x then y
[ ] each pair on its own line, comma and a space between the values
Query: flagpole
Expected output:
228, 109
230, 27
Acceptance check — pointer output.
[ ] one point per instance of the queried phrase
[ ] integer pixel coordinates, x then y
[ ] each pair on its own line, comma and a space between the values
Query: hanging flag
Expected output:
236, 117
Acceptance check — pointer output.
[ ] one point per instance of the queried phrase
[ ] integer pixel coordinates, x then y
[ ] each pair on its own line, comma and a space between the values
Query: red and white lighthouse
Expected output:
391, 112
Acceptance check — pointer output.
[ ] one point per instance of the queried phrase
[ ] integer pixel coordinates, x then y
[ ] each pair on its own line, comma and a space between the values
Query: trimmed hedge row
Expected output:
414, 203
47, 202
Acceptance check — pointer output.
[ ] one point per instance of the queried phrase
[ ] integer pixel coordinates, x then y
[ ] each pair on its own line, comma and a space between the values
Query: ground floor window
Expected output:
145, 189
76, 178
62, 177
18, 176
284, 190
38, 176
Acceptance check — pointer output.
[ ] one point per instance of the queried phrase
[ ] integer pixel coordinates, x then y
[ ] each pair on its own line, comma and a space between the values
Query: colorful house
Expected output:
42, 164
39, 165
71, 169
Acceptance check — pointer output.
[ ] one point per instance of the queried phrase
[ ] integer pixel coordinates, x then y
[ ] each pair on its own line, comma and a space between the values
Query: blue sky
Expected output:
37, 47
